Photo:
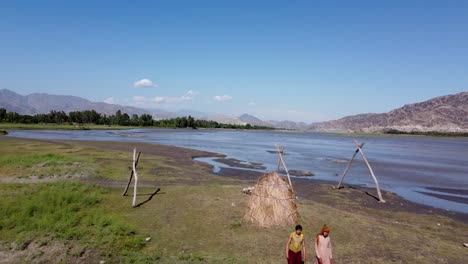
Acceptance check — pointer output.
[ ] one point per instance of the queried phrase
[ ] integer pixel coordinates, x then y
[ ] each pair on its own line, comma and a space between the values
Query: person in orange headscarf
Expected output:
295, 247
323, 247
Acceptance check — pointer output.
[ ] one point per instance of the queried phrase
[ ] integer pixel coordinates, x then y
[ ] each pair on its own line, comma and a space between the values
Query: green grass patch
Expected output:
23, 162
43, 159
35, 159
65, 211
432, 134
427, 133
25, 158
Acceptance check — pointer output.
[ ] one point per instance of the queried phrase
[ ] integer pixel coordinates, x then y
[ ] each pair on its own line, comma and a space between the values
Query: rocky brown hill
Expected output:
445, 114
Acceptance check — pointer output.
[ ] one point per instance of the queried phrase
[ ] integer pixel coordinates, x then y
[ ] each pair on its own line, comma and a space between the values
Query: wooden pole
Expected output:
371, 172
349, 163
347, 168
128, 184
287, 172
284, 165
279, 161
136, 178
131, 176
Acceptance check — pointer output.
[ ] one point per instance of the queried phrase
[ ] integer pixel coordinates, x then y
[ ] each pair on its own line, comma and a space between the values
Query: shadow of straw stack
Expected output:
272, 202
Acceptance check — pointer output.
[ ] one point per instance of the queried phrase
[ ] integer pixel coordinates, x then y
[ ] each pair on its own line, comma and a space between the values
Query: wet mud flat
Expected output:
362, 197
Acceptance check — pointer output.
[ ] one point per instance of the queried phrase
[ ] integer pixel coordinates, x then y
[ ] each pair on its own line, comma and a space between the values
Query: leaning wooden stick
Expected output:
131, 176
371, 172
136, 178
280, 154
349, 165
279, 161
347, 168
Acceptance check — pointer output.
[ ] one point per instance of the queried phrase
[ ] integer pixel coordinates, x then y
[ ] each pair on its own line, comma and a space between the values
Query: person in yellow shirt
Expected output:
295, 247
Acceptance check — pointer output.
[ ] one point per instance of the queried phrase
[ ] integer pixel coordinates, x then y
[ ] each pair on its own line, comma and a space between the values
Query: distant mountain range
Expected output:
250, 119
446, 114
40, 103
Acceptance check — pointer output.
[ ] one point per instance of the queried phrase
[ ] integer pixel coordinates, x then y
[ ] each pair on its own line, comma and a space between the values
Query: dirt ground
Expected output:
314, 190
351, 200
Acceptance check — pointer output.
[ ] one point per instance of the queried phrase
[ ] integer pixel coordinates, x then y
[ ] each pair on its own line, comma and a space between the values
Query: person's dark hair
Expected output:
298, 227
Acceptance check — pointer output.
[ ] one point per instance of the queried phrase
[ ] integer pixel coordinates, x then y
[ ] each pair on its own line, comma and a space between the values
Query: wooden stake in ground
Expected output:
136, 178
359, 149
135, 186
131, 176
280, 159
348, 166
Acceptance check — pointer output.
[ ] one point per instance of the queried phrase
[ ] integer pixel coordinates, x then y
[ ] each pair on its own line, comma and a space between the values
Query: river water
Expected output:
432, 171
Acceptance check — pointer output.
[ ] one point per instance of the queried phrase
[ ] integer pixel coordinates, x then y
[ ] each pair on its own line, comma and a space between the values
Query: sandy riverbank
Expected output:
309, 189
201, 204
315, 190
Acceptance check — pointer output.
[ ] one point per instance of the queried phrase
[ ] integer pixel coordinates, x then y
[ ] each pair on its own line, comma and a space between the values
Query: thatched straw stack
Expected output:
272, 202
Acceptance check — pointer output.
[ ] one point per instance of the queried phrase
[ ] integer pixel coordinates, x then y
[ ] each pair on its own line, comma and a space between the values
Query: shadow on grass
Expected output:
149, 198
146, 194
366, 192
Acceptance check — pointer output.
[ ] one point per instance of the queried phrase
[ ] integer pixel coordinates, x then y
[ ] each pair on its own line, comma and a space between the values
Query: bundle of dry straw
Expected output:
272, 202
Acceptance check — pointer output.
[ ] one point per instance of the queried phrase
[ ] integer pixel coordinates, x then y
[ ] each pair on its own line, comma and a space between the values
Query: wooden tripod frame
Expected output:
359, 149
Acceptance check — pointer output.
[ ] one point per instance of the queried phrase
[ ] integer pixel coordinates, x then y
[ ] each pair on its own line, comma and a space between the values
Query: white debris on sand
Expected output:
248, 190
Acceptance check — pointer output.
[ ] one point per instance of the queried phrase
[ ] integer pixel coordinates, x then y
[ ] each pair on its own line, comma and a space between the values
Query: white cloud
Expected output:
144, 83
111, 100
139, 99
189, 95
158, 101
252, 104
222, 98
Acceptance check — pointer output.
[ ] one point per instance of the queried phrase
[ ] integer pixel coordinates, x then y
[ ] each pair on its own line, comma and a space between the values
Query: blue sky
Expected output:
298, 60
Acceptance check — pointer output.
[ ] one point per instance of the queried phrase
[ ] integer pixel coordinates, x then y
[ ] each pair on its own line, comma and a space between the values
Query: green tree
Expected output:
146, 120
191, 122
135, 120
12, 117
3, 114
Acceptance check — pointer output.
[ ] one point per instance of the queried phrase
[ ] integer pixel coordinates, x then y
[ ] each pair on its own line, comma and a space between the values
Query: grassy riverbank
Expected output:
409, 134
49, 126
75, 213
10, 126
65, 211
